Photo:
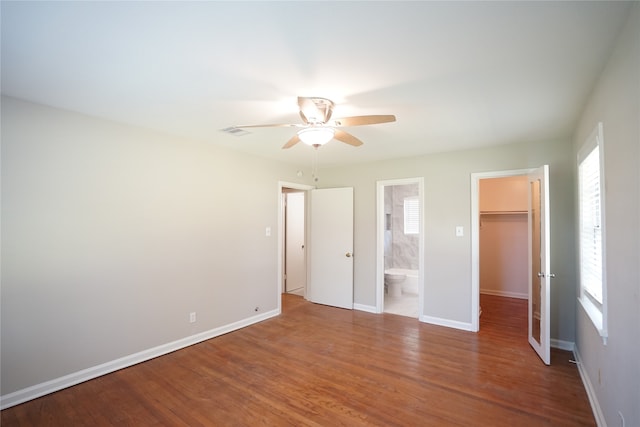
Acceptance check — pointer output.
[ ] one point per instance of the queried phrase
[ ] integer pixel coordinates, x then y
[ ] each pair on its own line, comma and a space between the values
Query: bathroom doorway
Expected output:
400, 278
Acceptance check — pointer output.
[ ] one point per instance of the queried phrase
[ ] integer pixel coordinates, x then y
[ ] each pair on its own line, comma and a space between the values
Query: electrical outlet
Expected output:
192, 317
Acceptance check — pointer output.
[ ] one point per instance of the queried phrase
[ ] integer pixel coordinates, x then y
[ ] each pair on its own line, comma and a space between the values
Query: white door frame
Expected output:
475, 236
281, 185
380, 219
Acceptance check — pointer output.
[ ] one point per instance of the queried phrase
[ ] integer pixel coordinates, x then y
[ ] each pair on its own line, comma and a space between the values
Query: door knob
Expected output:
540, 274
348, 254
552, 275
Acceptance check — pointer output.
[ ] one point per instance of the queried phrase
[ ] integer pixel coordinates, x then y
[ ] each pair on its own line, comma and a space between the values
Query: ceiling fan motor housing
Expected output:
314, 110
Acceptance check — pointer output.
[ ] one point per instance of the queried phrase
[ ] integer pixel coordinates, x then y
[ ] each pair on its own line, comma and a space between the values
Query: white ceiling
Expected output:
456, 74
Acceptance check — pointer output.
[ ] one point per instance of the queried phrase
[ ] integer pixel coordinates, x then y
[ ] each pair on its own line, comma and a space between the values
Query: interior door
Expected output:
539, 263
331, 247
295, 264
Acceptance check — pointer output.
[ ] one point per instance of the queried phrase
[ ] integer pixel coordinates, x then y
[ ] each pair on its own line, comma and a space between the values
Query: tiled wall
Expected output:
400, 249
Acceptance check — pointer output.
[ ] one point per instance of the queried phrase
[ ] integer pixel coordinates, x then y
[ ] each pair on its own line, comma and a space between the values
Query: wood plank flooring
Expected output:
323, 366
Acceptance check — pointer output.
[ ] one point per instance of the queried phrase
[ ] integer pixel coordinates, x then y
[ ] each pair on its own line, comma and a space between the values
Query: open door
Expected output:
331, 247
539, 263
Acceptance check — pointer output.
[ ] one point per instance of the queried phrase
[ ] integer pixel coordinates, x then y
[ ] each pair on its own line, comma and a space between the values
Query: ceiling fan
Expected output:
317, 128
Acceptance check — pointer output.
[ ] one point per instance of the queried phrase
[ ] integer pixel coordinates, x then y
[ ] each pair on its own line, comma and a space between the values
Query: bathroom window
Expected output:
411, 215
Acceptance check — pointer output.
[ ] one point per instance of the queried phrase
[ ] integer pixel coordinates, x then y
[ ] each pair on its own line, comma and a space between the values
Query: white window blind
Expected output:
592, 233
590, 225
411, 215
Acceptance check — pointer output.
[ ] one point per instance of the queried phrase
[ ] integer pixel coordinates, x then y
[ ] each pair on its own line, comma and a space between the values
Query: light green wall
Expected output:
614, 369
112, 235
447, 193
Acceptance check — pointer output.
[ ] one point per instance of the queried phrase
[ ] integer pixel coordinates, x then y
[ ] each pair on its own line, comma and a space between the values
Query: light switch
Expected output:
267, 231
459, 231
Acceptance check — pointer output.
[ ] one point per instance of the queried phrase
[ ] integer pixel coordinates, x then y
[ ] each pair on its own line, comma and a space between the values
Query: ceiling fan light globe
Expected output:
315, 136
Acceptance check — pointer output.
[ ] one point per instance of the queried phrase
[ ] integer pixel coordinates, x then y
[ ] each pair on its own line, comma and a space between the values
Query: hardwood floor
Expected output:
323, 366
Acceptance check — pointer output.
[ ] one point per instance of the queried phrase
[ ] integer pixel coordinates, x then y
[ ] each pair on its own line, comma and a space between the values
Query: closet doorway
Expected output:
538, 273
499, 239
504, 236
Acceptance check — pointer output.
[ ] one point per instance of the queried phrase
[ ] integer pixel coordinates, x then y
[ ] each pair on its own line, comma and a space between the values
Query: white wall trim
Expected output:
507, 294
562, 345
72, 379
591, 392
367, 308
446, 322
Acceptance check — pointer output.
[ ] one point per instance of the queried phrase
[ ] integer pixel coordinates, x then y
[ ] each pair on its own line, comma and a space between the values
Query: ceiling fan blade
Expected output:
347, 138
274, 125
363, 120
293, 141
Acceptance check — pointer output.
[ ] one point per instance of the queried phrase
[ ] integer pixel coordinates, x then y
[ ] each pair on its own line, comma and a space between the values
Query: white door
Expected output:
295, 264
331, 247
539, 263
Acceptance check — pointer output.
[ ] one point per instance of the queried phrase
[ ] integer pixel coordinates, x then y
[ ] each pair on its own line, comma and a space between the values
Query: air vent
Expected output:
235, 131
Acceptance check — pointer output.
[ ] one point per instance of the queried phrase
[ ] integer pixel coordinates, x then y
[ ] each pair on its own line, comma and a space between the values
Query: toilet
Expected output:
393, 283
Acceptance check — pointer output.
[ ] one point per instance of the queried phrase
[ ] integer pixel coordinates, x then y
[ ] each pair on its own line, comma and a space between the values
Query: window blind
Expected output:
411, 216
590, 225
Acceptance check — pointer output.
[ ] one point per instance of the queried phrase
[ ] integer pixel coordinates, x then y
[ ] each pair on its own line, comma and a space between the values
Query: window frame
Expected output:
595, 310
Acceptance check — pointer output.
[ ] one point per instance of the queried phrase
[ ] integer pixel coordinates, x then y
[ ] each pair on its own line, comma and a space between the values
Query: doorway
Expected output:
538, 260
400, 247
503, 239
504, 236
294, 227
324, 209
492, 216
285, 188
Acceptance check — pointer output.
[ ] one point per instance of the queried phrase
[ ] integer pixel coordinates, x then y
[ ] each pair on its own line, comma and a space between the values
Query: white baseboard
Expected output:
507, 294
367, 308
591, 392
38, 390
446, 322
562, 345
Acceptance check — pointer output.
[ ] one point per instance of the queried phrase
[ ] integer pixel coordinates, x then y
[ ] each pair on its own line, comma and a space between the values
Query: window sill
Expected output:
596, 317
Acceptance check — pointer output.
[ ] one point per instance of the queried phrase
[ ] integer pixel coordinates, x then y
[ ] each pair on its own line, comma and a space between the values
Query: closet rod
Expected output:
502, 212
